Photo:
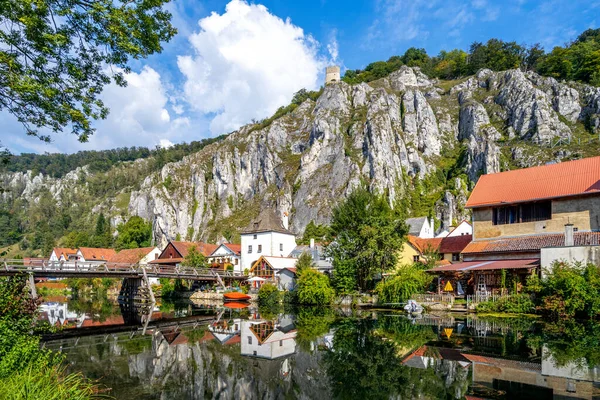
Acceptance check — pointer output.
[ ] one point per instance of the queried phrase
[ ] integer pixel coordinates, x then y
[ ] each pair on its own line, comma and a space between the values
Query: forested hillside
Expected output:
404, 127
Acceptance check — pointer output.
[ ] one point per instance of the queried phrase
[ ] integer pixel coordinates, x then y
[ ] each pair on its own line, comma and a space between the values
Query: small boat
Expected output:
236, 296
413, 308
236, 304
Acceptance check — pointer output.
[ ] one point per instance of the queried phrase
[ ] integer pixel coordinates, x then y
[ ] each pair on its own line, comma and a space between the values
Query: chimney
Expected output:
284, 220
569, 239
312, 243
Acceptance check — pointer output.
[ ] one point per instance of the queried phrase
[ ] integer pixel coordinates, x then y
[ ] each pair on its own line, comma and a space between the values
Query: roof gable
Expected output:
571, 178
415, 225
267, 221
100, 254
64, 251
131, 256
183, 248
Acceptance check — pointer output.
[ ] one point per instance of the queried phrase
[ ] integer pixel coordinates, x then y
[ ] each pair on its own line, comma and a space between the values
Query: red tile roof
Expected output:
453, 244
130, 256
64, 251
530, 243
184, 247
91, 253
571, 178
236, 248
487, 265
423, 245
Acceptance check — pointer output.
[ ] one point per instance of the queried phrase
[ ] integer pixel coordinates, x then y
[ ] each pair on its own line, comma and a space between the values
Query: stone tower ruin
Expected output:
332, 74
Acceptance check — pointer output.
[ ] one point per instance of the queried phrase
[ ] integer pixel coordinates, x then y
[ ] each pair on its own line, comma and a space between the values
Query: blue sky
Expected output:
236, 61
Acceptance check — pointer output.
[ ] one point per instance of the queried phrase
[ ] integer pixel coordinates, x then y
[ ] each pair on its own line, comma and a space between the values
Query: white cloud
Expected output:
332, 47
165, 143
138, 117
247, 63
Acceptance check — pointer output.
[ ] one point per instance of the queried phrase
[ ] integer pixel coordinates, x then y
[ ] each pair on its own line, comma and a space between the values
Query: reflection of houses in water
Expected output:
525, 380
226, 331
429, 357
268, 339
58, 314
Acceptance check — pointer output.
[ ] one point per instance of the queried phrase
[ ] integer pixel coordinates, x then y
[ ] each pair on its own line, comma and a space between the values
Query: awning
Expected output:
256, 279
487, 265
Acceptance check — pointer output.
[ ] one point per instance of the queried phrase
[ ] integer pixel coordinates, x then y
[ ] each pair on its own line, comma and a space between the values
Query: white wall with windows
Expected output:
273, 244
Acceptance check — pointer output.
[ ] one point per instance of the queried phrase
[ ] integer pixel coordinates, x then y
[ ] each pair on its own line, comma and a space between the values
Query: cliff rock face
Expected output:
391, 134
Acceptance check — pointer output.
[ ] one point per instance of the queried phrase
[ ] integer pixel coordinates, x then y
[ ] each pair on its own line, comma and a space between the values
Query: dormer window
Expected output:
256, 225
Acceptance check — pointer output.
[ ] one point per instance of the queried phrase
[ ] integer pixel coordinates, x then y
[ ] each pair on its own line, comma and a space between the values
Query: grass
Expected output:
48, 383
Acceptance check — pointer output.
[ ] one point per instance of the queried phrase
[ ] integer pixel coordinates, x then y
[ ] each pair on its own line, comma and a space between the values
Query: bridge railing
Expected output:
104, 266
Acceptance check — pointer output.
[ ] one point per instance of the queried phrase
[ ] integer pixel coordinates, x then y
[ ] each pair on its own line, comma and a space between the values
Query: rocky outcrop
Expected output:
390, 134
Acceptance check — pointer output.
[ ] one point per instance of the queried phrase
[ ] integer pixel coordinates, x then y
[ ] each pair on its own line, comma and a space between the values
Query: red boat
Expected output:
236, 296
235, 304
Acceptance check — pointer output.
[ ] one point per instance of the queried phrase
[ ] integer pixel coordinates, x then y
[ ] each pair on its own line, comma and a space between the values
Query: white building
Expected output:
62, 254
462, 229
140, 256
317, 252
277, 270
267, 235
268, 339
420, 227
227, 254
89, 256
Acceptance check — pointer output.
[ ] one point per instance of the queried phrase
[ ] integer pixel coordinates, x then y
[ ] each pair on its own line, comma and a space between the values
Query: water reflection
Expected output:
217, 352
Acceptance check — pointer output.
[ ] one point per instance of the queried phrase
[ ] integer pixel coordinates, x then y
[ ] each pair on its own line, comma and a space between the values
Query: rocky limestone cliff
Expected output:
401, 134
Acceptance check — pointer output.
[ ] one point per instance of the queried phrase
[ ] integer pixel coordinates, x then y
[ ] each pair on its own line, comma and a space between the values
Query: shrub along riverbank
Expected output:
565, 291
26, 370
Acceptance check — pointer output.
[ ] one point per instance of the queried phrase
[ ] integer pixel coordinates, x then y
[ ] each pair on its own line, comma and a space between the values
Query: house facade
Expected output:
446, 250
420, 227
62, 254
267, 235
518, 215
176, 251
226, 255
94, 256
321, 261
277, 270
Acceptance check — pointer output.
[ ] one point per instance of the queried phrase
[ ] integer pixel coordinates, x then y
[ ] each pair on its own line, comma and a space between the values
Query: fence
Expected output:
485, 296
434, 298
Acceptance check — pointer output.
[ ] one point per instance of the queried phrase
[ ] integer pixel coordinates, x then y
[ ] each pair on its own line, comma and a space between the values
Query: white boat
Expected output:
413, 308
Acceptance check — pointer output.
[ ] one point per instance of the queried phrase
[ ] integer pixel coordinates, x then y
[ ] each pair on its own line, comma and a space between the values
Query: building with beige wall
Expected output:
332, 74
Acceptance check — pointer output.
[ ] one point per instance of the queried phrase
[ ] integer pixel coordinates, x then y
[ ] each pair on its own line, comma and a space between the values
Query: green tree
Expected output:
409, 280
304, 262
57, 56
136, 232
314, 231
313, 288
268, 295
367, 232
194, 259
77, 239
102, 235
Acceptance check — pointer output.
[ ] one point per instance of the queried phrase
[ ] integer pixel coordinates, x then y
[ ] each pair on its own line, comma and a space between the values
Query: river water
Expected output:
196, 351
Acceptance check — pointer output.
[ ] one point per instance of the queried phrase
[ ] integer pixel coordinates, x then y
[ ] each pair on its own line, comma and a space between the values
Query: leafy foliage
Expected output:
568, 291
268, 295
319, 233
409, 280
54, 57
517, 303
195, 259
136, 232
579, 60
367, 233
313, 288
304, 263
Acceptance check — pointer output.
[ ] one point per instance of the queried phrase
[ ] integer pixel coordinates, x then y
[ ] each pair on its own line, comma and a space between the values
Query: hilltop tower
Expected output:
332, 74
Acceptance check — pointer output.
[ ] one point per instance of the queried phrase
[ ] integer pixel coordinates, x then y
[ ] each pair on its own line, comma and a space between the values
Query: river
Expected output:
196, 351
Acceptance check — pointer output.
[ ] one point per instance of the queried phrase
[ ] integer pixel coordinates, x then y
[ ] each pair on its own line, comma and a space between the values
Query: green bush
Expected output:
568, 291
313, 288
268, 295
518, 304
409, 280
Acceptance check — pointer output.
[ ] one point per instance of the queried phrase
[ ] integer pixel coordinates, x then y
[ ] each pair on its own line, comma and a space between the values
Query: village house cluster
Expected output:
522, 222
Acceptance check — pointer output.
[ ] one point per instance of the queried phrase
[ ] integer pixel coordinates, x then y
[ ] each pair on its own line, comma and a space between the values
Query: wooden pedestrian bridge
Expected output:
74, 269
134, 276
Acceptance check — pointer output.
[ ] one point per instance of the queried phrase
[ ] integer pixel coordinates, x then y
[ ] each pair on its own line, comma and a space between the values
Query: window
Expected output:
455, 256
249, 339
255, 236
236, 261
416, 258
249, 249
280, 343
528, 212
280, 246
259, 250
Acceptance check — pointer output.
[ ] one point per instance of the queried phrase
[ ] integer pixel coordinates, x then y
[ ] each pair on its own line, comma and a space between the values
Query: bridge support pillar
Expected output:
32, 287
136, 290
